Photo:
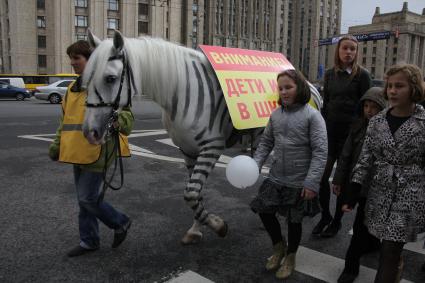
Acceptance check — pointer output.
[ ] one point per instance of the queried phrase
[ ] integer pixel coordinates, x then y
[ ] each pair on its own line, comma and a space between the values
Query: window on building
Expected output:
80, 3
113, 24
41, 21
143, 9
374, 50
113, 5
42, 61
81, 21
364, 61
41, 41
143, 27
364, 50
81, 36
41, 4
219, 17
373, 60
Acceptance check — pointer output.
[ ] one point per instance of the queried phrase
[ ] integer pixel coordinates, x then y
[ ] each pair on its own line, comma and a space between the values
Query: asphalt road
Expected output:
39, 216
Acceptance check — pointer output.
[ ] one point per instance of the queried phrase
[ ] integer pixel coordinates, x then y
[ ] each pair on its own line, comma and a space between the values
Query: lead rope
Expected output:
116, 151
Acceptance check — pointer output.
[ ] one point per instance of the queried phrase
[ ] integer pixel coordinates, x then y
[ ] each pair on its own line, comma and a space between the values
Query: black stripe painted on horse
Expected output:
210, 141
187, 100
212, 98
201, 98
174, 102
200, 135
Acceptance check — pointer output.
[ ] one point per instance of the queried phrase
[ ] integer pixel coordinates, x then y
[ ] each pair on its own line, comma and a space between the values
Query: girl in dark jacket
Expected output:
361, 242
344, 85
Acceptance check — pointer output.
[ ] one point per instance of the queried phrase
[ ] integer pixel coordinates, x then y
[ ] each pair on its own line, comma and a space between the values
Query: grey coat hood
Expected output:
375, 94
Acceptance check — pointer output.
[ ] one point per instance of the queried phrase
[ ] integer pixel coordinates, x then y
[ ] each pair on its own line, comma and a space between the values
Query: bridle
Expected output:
126, 72
111, 131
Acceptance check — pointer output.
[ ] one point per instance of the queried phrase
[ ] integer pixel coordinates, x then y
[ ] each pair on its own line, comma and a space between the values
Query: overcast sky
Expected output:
360, 12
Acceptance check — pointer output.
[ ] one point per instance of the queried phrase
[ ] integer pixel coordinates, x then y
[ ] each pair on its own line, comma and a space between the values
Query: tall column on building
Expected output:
60, 35
20, 54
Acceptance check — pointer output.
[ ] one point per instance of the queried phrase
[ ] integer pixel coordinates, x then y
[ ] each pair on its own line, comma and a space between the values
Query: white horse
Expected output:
183, 83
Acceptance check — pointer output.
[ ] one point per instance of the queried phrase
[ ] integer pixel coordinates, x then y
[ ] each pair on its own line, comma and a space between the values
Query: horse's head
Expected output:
108, 81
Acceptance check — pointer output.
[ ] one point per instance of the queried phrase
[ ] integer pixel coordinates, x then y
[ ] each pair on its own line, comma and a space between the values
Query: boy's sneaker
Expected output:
121, 234
79, 250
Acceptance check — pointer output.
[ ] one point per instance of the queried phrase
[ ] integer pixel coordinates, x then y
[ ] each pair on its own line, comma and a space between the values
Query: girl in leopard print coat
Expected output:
393, 159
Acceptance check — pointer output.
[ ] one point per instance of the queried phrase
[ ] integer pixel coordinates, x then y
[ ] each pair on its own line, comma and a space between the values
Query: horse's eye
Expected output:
110, 79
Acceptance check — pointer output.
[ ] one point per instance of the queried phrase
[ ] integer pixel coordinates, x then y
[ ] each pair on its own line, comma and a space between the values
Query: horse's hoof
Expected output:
222, 232
191, 238
218, 225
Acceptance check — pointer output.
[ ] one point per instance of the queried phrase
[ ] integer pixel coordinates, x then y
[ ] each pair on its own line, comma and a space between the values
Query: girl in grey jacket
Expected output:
297, 134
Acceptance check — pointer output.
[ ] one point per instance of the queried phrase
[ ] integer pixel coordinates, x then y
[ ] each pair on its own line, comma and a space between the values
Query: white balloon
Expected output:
242, 171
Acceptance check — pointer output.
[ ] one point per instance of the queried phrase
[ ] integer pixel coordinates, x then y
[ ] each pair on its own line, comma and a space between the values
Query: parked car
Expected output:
53, 92
10, 91
379, 83
17, 82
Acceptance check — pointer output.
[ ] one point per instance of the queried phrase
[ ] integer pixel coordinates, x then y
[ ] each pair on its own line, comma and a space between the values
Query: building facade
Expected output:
34, 34
406, 44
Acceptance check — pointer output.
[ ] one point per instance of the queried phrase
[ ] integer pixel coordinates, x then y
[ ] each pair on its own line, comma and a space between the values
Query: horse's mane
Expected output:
158, 66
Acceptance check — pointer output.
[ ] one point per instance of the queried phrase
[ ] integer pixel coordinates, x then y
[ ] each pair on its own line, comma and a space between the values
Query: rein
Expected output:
112, 132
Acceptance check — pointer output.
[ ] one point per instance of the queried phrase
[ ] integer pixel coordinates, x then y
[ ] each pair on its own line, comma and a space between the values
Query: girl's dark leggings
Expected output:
389, 260
272, 225
325, 193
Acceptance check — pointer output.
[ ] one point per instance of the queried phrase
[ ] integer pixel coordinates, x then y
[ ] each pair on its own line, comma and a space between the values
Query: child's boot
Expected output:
287, 267
279, 251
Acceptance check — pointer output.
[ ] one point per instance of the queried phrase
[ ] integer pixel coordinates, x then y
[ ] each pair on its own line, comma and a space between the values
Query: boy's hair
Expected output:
80, 47
337, 61
414, 78
303, 89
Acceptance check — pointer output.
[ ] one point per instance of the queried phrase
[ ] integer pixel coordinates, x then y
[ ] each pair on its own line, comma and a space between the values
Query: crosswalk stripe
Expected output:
308, 262
417, 247
328, 268
189, 277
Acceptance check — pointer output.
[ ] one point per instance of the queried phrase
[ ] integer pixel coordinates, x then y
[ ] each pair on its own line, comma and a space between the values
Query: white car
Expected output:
53, 92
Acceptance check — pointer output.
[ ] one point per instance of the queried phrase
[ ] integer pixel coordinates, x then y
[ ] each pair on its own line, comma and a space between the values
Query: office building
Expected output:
405, 45
34, 34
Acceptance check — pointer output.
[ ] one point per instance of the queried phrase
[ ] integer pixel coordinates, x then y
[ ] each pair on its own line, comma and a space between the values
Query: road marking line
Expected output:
37, 137
417, 247
135, 148
328, 268
223, 158
148, 133
189, 277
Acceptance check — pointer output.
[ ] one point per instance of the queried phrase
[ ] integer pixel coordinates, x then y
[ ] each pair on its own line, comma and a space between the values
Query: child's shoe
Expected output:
287, 267
279, 251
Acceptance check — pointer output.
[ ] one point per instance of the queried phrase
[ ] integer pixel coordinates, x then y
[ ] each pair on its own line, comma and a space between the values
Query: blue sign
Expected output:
320, 71
360, 37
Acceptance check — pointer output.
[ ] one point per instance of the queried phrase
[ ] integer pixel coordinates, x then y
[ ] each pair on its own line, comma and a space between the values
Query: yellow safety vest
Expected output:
74, 147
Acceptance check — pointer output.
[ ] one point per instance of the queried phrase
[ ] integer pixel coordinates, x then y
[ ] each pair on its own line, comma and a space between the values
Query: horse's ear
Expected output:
93, 40
118, 41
